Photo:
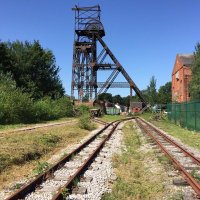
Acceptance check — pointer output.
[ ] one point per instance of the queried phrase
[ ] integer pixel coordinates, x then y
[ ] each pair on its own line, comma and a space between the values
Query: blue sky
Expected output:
144, 35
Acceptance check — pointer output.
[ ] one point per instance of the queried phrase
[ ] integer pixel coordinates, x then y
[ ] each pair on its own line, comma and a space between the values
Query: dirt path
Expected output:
37, 126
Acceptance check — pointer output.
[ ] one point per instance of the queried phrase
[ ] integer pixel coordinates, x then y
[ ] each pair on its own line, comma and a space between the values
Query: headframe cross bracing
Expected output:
88, 31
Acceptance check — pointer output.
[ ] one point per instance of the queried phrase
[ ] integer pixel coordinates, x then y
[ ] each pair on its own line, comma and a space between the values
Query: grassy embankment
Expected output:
136, 180
21, 152
190, 138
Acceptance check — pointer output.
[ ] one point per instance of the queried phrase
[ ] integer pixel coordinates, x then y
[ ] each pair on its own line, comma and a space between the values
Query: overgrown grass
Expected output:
110, 118
85, 122
190, 138
24, 148
135, 179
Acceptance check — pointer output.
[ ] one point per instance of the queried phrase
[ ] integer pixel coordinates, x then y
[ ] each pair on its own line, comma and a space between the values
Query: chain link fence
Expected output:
186, 114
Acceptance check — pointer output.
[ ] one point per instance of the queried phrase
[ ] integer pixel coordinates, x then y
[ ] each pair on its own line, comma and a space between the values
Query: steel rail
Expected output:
187, 153
39, 126
193, 183
32, 185
84, 167
99, 121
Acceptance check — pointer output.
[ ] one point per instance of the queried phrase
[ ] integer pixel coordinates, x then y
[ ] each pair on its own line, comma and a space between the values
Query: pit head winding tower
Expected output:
86, 63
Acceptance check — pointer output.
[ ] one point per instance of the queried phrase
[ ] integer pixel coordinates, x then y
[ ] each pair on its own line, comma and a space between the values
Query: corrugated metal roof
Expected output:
186, 59
136, 104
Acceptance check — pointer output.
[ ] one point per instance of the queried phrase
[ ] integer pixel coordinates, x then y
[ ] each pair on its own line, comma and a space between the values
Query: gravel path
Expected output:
59, 178
100, 176
8, 191
196, 152
186, 190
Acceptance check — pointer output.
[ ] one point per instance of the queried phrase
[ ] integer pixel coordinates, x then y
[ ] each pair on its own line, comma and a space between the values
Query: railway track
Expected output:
99, 121
185, 162
31, 128
38, 127
62, 176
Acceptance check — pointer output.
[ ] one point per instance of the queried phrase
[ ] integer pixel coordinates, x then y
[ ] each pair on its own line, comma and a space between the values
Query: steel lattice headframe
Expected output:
86, 63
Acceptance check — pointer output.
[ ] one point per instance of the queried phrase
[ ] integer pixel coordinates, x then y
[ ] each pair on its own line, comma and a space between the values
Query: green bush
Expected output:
15, 107
85, 122
48, 109
43, 110
63, 107
82, 109
18, 107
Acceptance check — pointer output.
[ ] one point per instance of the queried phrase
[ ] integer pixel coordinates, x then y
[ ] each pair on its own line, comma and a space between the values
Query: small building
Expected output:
181, 77
111, 108
135, 107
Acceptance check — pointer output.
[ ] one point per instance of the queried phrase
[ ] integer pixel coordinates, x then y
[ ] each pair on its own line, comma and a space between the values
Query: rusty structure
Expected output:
88, 60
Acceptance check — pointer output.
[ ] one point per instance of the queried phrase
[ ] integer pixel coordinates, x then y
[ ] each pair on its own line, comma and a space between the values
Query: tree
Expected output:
5, 60
117, 99
126, 101
165, 93
105, 97
195, 81
151, 91
33, 68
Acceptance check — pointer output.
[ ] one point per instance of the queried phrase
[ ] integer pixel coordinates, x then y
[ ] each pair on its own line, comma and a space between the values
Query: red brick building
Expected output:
181, 77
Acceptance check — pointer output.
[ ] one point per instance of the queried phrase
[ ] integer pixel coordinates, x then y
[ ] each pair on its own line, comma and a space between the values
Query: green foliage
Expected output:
135, 180
15, 106
117, 99
195, 174
75, 181
114, 99
165, 93
65, 192
195, 82
17, 186
82, 109
33, 68
65, 107
49, 140
163, 96
85, 122
40, 167
151, 91
47, 109
18, 107
105, 97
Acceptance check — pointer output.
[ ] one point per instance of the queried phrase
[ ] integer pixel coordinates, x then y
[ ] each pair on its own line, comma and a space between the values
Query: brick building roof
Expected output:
182, 60
186, 59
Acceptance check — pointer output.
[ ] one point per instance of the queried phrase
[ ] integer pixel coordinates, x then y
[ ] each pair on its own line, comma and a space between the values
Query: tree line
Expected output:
163, 94
30, 86
152, 96
194, 85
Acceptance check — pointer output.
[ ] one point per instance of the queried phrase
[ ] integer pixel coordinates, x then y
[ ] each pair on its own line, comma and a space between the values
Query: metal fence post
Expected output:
195, 111
186, 110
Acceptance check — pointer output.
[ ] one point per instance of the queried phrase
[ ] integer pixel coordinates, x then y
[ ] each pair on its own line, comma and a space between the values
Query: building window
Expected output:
177, 75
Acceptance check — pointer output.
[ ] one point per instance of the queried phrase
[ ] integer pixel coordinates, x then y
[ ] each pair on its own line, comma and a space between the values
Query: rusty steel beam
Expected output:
123, 71
88, 32
115, 84
105, 85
